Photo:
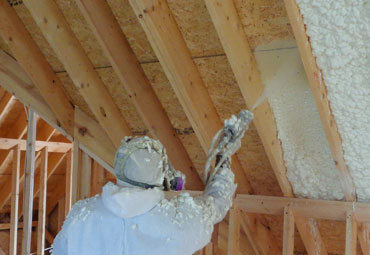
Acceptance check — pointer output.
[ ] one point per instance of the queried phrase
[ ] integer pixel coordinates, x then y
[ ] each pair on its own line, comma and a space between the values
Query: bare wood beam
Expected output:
132, 76
49, 237
351, 235
85, 181
14, 201
7, 143
88, 131
70, 52
174, 56
76, 168
5, 104
35, 64
69, 182
61, 212
234, 231
7, 226
29, 178
241, 58
42, 202
98, 178
318, 209
288, 231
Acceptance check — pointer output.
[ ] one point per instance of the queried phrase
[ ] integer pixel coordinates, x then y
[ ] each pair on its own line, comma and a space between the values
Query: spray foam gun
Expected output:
228, 141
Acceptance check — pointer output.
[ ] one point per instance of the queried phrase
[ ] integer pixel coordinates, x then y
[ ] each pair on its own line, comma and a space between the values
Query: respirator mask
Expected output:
143, 162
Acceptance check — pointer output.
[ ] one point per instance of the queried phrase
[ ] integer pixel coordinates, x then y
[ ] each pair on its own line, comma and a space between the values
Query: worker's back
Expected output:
99, 225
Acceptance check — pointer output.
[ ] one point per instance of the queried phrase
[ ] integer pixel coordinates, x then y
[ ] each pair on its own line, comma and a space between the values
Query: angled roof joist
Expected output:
70, 52
318, 87
35, 64
173, 54
241, 58
132, 76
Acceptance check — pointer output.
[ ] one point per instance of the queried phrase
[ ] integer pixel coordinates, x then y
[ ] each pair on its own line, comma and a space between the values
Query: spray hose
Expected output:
228, 141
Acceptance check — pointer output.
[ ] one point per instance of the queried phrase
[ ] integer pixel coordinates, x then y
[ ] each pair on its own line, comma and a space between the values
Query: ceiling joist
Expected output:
241, 58
35, 65
132, 76
70, 52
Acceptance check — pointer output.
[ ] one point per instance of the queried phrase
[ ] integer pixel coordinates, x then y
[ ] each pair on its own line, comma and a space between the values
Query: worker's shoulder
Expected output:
84, 208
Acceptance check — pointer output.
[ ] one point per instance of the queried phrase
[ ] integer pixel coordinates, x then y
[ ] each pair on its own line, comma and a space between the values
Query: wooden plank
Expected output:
35, 65
132, 76
42, 202
318, 209
5, 104
69, 182
70, 52
351, 234
234, 231
7, 226
76, 175
316, 80
208, 250
61, 212
14, 201
49, 237
98, 178
7, 143
85, 180
242, 61
288, 231
14, 79
29, 178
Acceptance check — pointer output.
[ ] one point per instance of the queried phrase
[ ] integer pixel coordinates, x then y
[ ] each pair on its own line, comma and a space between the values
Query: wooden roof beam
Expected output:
79, 67
242, 61
126, 65
35, 64
174, 56
7, 143
318, 87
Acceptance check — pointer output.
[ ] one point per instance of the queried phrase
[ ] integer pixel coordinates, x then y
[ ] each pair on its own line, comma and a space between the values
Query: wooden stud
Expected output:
7, 143
42, 202
288, 232
76, 175
14, 202
49, 237
30, 57
108, 32
28, 184
234, 231
85, 180
208, 250
79, 67
61, 212
98, 178
351, 234
242, 61
69, 182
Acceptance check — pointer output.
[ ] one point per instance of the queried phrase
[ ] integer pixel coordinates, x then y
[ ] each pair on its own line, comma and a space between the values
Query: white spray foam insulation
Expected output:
339, 32
310, 166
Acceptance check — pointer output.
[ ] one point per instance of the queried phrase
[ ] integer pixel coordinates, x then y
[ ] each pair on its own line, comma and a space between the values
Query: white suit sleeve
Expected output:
217, 197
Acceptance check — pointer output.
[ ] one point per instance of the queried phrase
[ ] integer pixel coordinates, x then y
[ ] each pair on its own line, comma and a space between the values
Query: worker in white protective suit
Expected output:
134, 217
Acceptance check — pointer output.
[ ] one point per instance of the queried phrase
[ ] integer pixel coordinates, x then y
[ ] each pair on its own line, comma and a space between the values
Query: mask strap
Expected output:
138, 184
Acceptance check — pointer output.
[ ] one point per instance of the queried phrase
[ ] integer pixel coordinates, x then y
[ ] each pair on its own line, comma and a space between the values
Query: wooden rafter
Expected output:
288, 231
318, 87
241, 58
35, 64
174, 56
132, 76
86, 79
351, 235
87, 131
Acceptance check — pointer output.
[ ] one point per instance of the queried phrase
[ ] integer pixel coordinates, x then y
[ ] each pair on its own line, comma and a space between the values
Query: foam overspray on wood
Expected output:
339, 33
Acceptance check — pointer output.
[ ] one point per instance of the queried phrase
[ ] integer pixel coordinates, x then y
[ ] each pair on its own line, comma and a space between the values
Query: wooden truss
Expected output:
30, 78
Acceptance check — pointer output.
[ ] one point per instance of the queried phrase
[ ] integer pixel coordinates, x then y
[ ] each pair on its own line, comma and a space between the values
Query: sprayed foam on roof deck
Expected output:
339, 32
310, 166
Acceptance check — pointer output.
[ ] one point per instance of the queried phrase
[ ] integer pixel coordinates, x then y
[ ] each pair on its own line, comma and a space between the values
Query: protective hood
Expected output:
127, 202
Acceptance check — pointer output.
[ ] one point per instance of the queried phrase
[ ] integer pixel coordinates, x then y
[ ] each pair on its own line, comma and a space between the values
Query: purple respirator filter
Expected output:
177, 184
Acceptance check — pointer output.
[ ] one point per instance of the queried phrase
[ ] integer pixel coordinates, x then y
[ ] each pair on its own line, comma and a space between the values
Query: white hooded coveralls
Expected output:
133, 221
